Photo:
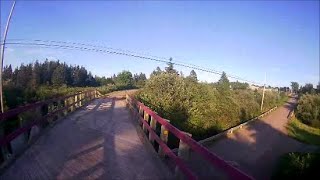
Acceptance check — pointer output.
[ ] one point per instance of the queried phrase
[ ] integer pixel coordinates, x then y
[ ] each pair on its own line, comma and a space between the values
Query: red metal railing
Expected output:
212, 158
87, 95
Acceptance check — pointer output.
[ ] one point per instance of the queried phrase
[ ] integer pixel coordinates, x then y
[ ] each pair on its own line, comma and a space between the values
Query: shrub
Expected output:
200, 108
298, 166
308, 109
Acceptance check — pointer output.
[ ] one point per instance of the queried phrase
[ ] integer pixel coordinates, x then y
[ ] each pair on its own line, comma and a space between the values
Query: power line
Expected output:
85, 44
119, 52
127, 51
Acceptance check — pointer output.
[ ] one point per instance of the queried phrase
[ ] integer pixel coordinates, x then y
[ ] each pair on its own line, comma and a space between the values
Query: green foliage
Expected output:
59, 76
38, 81
303, 132
193, 76
139, 79
295, 87
223, 85
307, 88
124, 80
308, 109
248, 104
298, 166
239, 85
199, 108
156, 72
32, 76
170, 69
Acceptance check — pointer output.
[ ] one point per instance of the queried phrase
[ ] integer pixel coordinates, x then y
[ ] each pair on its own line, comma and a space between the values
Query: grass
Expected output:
303, 132
298, 166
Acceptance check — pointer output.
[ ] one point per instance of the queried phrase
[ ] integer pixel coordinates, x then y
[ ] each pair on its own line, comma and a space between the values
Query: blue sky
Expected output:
247, 39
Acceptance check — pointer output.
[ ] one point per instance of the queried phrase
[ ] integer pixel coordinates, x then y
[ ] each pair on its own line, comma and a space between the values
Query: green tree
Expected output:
124, 79
139, 79
223, 83
59, 76
308, 109
36, 75
295, 87
7, 73
239, 85
193, 76
308, 88
170, 69
156, 72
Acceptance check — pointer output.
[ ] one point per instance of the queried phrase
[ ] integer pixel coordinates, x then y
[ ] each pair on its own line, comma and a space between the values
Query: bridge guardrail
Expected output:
54, 108
148, 118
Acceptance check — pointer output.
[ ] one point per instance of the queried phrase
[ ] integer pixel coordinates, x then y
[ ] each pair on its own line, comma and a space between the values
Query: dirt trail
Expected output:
256, 148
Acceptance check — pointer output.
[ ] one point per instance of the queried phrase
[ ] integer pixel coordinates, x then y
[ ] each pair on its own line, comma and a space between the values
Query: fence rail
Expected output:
37, 114
140, 109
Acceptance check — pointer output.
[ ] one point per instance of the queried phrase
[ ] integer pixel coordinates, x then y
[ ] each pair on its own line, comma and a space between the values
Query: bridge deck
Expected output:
99, 141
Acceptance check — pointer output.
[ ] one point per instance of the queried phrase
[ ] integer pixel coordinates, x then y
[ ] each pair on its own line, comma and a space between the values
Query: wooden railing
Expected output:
38, 114
149, 118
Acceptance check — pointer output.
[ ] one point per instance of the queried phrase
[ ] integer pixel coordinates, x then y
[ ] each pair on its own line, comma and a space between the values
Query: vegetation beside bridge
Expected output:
203, 109
44, 80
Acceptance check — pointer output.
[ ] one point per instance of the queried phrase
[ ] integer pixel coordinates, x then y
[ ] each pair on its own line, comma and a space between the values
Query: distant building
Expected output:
254, 87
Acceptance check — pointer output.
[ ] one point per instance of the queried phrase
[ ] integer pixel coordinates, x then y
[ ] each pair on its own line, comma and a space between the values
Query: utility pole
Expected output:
2, 53
264, 89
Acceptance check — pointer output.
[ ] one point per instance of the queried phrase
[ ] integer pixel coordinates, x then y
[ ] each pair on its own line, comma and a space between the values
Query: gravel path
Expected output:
256, 148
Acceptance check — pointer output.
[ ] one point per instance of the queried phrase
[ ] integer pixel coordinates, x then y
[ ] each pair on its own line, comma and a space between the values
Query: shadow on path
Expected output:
256, 148
96, 142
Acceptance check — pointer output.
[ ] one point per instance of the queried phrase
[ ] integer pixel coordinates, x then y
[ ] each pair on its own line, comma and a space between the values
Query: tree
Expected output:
124, 79
23, 76
170, 69
295, 87
7, 73
223, 83
308, 109
193, 76
139, 79
36, 75
239, 85
156, 72
59, 76
308, 88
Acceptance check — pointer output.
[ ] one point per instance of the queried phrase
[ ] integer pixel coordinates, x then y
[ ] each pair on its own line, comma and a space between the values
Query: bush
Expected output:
298, 166
308, 110
200, 108
303, 132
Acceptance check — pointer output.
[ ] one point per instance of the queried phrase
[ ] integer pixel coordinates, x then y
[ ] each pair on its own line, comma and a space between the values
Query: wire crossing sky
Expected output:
102, 49
246, 39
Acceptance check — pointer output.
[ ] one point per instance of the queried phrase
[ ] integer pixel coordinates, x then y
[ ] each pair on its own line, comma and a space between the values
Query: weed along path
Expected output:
99, 141
256, 147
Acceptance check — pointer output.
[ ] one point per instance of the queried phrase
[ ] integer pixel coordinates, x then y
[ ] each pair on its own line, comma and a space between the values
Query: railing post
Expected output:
66, 104
76, 101
183, 153
153, 124
146, 118
85, 98
80, 100
127, 97
71, 99
139, 115
59, 105
164, 137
